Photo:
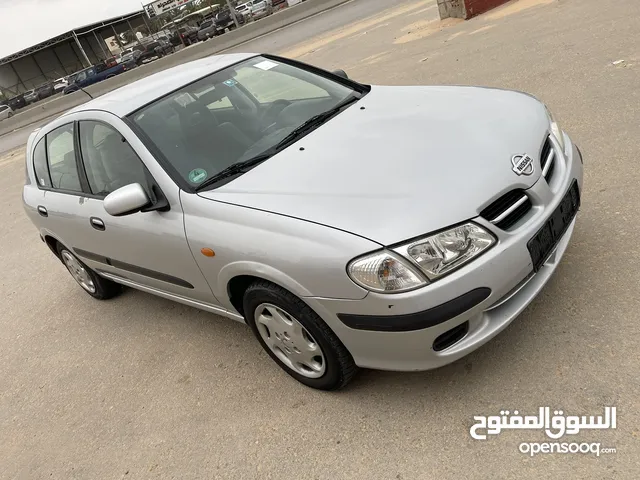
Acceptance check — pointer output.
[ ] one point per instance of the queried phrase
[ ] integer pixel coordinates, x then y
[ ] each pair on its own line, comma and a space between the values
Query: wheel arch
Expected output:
53, 244
237, 277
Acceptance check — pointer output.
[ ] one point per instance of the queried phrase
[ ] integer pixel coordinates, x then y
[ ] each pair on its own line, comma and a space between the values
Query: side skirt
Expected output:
171, 296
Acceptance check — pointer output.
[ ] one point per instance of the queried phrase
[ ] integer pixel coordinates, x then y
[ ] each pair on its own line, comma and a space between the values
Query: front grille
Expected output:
548, 160
506, 211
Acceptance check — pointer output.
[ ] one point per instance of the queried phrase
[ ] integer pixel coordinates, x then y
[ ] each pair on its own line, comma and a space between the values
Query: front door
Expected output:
147, 248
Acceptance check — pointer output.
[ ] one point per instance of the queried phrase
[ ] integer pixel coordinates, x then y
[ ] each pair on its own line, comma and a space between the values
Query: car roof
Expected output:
130, 98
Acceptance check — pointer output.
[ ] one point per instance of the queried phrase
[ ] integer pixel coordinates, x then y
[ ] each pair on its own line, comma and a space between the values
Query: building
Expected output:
66, 53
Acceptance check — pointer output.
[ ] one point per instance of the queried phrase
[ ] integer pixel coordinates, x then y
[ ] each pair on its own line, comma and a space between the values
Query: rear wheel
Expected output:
296, 338
92, 283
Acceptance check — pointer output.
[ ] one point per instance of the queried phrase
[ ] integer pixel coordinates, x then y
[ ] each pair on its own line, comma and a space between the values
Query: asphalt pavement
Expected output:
140, 387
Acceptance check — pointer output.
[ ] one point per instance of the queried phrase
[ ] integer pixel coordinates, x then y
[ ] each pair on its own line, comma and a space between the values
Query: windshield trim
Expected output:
162, 160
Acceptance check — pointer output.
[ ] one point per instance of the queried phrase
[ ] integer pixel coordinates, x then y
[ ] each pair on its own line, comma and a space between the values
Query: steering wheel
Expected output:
269, 117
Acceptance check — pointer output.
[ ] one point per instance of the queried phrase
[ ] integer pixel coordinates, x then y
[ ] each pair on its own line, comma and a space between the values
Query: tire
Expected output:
103, 289
337, 367
10, 114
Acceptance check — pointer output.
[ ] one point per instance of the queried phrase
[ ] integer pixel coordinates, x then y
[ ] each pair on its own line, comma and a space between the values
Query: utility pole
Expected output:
233, 13
100, 44
84, 54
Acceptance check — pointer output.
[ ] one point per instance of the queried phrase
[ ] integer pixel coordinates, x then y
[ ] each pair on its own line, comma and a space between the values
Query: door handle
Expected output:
97, 223
42, 211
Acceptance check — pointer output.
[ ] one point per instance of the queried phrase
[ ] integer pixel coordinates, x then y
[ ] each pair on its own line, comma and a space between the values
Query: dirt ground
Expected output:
140, 387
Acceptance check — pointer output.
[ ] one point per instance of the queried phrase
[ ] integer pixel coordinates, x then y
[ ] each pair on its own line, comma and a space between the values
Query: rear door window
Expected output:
61, 158
40, 165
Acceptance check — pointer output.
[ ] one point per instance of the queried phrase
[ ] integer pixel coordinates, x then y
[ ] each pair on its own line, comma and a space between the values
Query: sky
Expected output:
24, 23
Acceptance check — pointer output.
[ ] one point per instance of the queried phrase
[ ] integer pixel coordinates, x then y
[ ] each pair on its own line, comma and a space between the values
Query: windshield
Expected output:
206, 24
235, 115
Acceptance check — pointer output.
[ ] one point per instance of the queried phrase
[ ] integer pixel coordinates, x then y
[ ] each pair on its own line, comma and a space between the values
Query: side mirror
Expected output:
125, 200
341, 73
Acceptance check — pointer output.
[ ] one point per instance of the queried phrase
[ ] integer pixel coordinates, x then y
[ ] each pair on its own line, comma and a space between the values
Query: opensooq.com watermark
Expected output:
556, 427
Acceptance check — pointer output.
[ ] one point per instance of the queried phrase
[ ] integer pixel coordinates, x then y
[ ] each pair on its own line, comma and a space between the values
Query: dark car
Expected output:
17, 102
45, 90
153, 50
207, 29
131, 59
92, 75
224, 20
188, 34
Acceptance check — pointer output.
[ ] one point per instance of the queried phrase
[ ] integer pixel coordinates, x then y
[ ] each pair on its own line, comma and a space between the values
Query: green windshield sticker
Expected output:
197, 175
230, 83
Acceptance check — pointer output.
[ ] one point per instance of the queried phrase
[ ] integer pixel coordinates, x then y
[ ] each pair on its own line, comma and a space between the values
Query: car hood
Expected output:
401, 162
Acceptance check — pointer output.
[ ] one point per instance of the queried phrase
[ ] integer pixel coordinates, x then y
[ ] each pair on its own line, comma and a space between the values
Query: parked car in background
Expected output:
92, 75
17, 102
155, 50
111, 62
207, 29
224, 20
30, 96
45, 90
278, 4
5, 112
188, 34
131, 60
60, 84
260, 8
245, 11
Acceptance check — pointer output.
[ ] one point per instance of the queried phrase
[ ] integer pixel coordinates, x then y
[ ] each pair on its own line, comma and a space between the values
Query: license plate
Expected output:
543, 243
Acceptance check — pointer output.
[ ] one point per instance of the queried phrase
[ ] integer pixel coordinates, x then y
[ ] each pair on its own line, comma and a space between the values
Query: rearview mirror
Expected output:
341, 73
125, 200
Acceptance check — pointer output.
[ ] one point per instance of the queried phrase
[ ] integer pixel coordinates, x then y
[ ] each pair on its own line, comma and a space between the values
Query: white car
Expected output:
60, 84
5, 112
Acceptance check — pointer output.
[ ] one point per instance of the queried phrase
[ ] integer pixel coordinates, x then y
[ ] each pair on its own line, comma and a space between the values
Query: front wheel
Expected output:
296, 338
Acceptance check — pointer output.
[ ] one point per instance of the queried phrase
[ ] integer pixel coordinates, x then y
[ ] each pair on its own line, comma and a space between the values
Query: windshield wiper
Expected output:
245, 166
236, 168
314, 122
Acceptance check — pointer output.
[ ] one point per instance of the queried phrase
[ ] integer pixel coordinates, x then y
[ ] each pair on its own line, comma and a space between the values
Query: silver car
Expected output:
30, 96
348, 225
260, 8
5, 112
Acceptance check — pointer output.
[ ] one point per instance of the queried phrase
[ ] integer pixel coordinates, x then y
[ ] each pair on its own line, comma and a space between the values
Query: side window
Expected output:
62, 159
109, 161
40, 165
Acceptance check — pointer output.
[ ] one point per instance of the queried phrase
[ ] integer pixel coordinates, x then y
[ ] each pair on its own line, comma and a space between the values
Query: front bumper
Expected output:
502, 279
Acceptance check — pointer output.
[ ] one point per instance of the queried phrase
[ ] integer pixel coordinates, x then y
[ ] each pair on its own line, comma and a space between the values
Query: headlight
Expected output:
446, 251
384, 272
556, 130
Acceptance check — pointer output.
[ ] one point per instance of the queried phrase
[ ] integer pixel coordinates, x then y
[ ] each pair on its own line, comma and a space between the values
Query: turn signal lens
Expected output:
385, 273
